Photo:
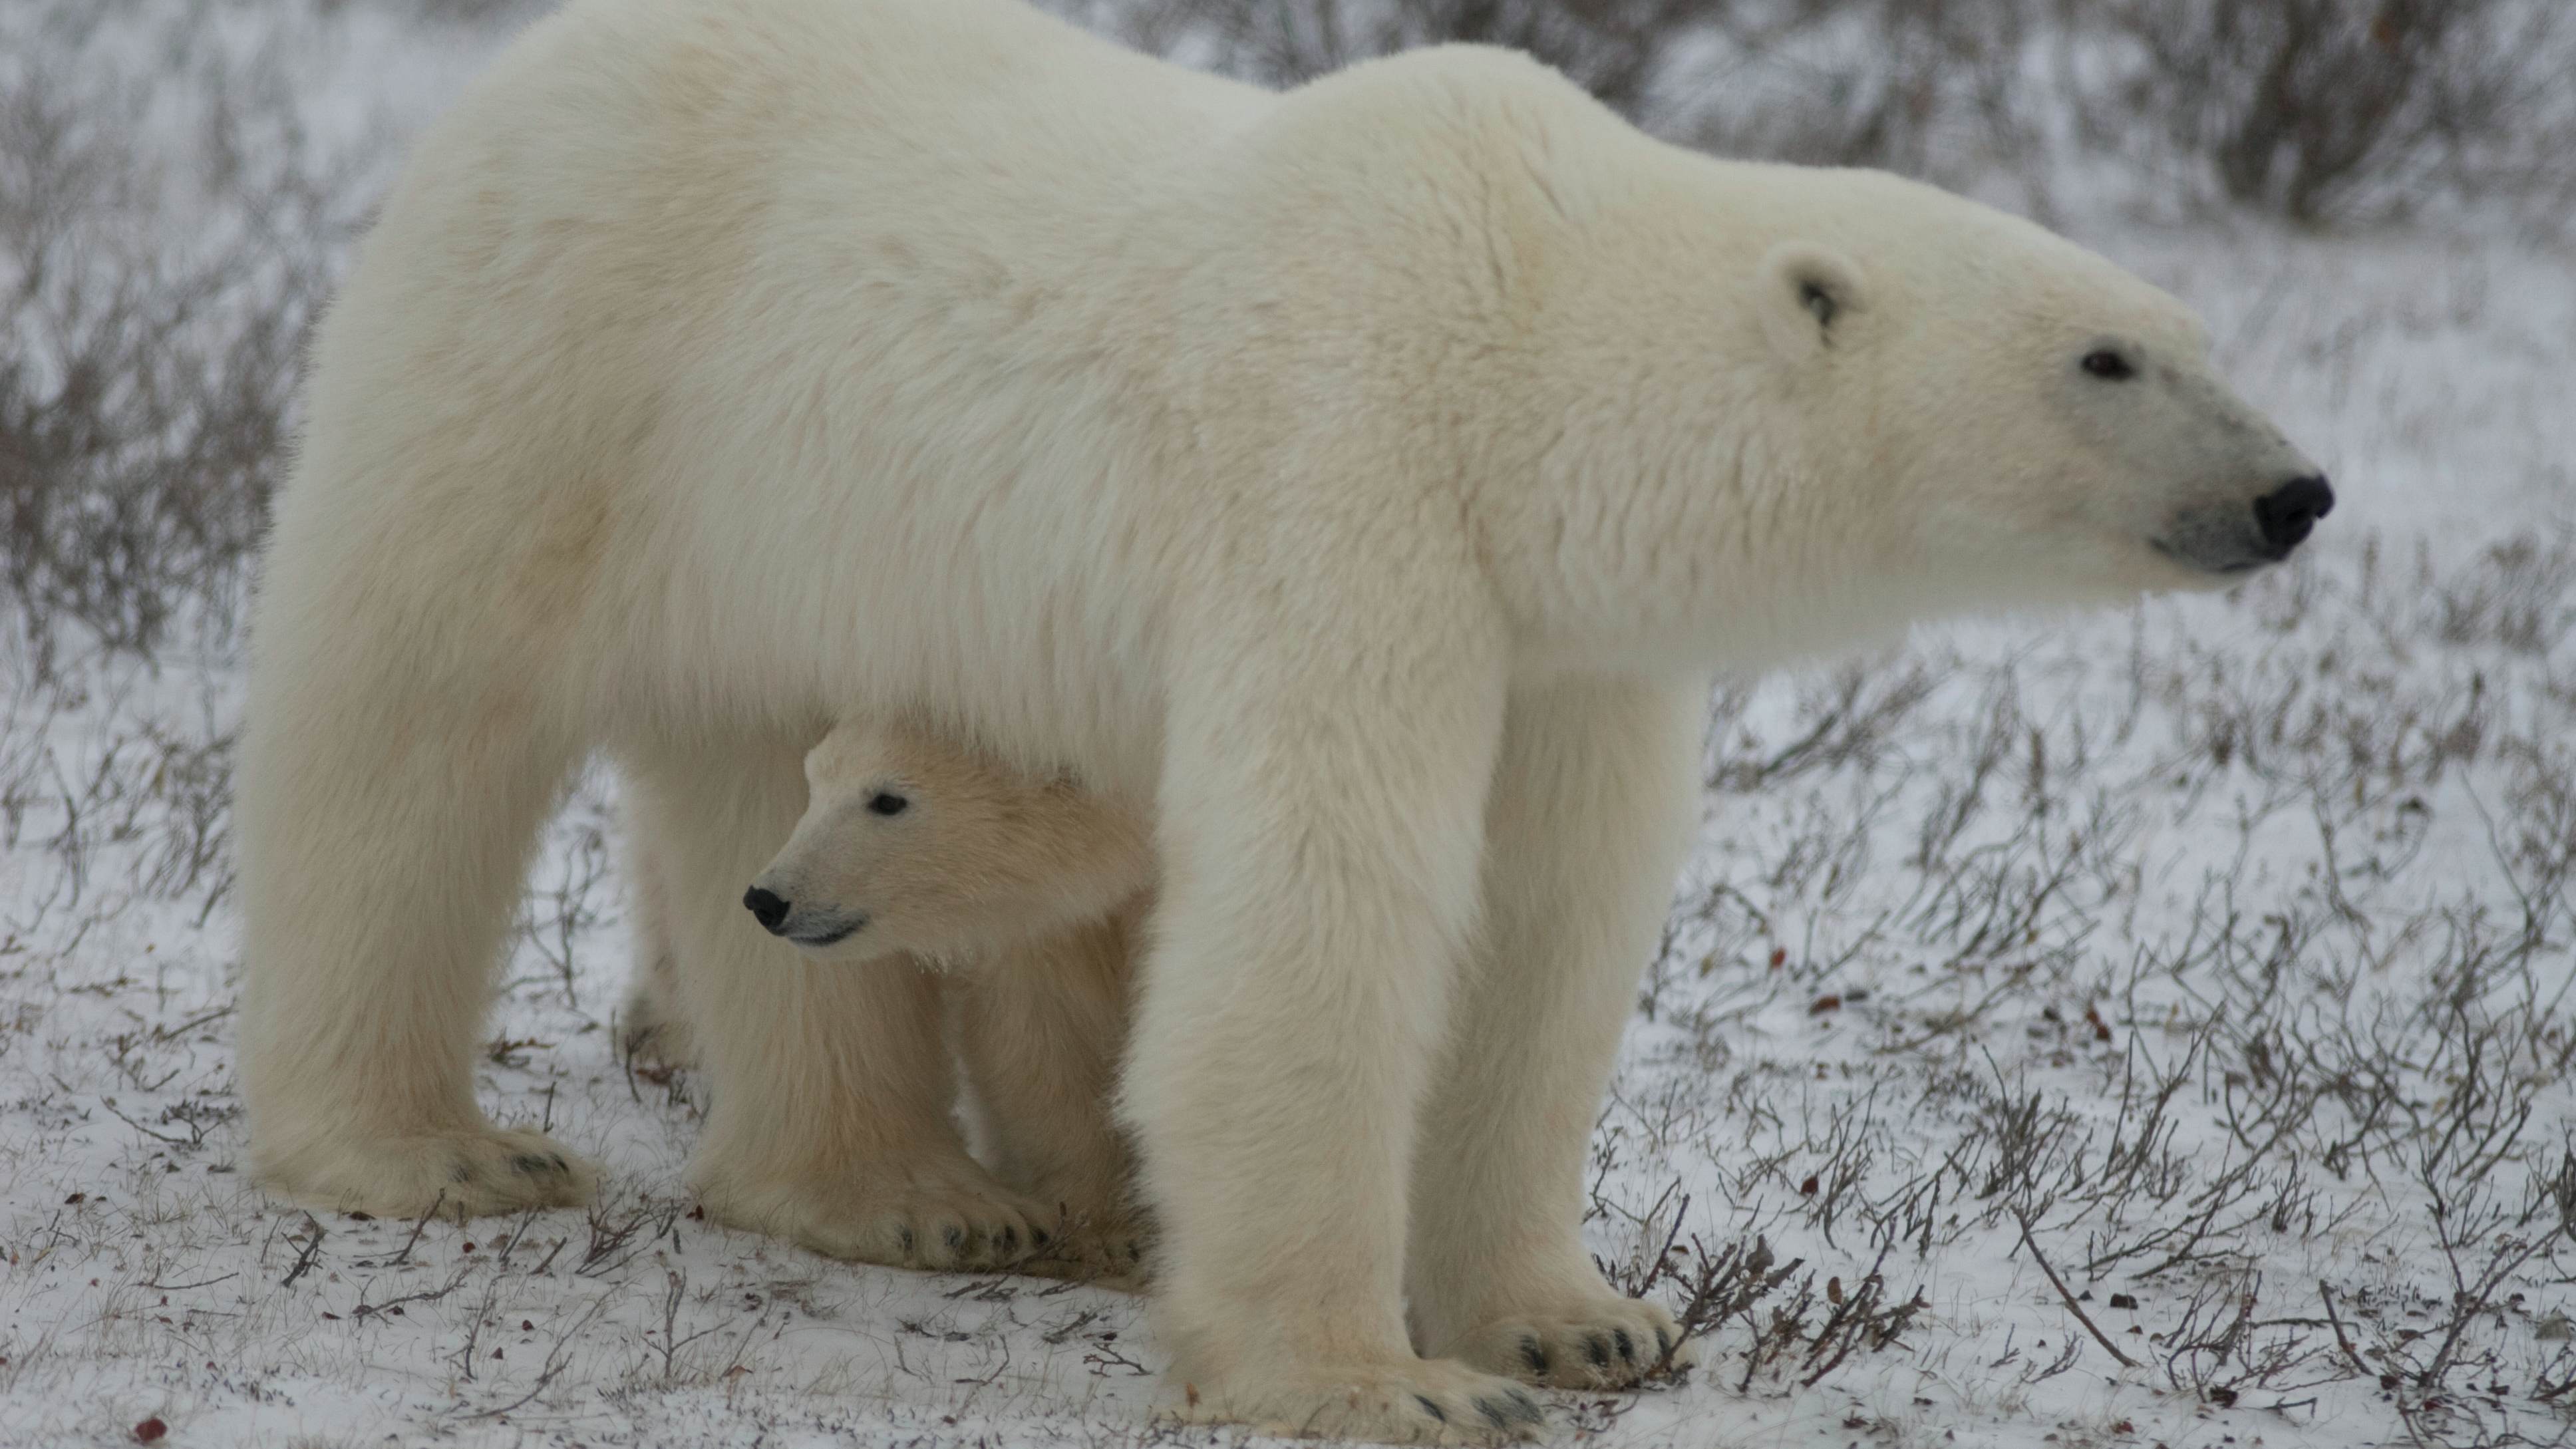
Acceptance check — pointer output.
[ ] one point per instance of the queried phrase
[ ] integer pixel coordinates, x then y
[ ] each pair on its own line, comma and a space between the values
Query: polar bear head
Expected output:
2028, 411
1775, 408
916, 844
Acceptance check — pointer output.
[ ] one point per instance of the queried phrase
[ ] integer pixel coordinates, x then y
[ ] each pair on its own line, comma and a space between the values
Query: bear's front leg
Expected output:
830, 1123
1594, 800
1322, 807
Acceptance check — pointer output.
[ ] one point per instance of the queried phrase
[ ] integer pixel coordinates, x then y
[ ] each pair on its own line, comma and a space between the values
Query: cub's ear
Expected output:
1811, 298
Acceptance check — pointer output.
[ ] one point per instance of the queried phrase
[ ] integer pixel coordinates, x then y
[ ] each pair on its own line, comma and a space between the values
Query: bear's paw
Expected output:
458, 1174
1410, 1401
1605, 1342
935, 1214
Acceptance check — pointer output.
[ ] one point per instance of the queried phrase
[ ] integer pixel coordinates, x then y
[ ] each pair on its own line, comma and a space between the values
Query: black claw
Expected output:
460, 1173
1431, 1408
1010, 1240
529, 1163
1663, 1346
1627, 1346
955, 1238
1040, 1236
904, 1236
1493, 1413
1533, 1355
1530, 1412
558, 1160
1597, 1349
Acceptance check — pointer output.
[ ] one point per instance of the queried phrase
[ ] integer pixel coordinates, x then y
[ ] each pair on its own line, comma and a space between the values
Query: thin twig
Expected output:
2059, 1284
148, 1132
183, 1287
312, 1250
2343, 1340
417, 1228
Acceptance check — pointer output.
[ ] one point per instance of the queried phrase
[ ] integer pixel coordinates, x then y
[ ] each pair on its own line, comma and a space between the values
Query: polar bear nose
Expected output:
2287, 513
766, 908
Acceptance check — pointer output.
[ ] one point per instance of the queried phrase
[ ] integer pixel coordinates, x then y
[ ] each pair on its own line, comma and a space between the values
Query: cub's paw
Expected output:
455, 1174
1412, 1401
649, 1032
1607, 1342
939, 1216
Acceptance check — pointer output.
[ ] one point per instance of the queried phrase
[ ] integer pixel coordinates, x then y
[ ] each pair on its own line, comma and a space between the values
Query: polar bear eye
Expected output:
886, 802
2108, 365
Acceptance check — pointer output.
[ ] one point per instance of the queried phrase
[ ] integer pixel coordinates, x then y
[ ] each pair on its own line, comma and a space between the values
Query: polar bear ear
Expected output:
1810, 296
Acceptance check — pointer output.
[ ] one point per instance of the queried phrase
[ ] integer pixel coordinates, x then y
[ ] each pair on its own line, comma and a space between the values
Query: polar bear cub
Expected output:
918, 845
916, 850
915, 845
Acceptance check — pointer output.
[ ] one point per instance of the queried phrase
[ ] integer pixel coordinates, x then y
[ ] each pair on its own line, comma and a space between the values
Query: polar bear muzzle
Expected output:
2287, 513
2228, 540
804, 927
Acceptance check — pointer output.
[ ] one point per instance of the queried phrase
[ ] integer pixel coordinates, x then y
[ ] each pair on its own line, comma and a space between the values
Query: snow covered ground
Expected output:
2146, 1028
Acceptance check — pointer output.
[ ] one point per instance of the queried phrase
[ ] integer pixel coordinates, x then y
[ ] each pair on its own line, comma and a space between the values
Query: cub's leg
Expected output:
831, 1088
1593, 804
650, 1024
1041, 1028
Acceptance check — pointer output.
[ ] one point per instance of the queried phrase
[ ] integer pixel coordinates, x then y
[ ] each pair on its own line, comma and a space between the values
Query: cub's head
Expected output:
916, 844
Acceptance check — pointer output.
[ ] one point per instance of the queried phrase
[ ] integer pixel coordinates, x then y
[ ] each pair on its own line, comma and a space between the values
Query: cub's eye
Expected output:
2108, 366
884, 803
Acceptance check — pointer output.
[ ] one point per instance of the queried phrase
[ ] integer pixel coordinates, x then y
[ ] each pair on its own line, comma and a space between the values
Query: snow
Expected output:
2298, 852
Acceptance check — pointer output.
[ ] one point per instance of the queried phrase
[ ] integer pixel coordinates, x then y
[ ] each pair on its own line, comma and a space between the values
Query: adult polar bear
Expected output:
1364, 480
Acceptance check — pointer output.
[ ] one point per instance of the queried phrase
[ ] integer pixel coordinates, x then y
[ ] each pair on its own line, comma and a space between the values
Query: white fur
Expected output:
1357, 481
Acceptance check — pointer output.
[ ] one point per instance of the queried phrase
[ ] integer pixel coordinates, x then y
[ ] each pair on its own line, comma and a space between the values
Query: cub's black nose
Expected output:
2288, 512
765, 908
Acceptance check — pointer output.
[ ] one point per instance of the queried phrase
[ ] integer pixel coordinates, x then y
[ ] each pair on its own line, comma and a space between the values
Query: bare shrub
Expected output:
2524, 600
444, 12
1925, 87
1915, 85
166, 233
2336, 110
2320, 110
1612, 48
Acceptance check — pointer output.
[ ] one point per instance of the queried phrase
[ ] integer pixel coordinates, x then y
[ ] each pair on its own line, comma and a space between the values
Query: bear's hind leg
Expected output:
829, 1123
385, 823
